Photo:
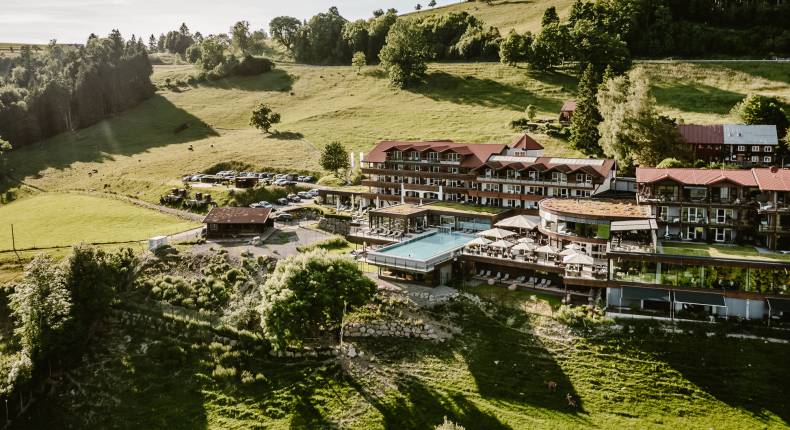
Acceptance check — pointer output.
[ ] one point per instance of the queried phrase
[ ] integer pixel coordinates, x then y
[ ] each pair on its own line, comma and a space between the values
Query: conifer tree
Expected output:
585, 120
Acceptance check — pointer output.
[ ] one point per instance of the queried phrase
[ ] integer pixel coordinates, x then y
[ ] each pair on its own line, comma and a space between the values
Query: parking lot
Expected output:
281, 243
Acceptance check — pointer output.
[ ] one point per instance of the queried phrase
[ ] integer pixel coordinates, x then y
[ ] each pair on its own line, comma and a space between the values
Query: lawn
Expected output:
492, 375
62, 219
469, 209
720, 251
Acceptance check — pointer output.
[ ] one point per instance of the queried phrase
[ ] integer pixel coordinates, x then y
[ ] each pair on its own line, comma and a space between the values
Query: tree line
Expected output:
69, 88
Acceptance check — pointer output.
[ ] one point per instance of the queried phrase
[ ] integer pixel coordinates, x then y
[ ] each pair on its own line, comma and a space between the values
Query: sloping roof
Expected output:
772, 179
740, 134
702, 134
527, 143
688, 176
237, 216
568, 106
474, 154
729, 134
567, 165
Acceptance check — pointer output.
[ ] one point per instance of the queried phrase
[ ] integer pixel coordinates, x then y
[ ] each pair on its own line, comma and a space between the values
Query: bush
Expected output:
250, 65
582, 316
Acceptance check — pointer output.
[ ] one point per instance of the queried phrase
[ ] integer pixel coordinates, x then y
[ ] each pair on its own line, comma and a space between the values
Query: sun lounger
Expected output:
482, 272
520, 279
506, 277
488, 274
498, 275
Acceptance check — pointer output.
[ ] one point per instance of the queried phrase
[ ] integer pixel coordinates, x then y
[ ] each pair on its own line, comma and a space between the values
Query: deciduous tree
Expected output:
335, 158
359, 61
757, 109
405, 55
263, 117
306, 296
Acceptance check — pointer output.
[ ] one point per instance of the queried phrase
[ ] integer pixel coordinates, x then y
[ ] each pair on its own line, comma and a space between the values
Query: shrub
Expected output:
582, 316
250, 65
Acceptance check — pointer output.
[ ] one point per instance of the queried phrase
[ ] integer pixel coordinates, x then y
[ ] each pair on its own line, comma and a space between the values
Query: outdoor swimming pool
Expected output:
421, 254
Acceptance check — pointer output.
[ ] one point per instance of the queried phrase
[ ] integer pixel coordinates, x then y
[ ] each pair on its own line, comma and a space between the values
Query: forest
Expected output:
69, 88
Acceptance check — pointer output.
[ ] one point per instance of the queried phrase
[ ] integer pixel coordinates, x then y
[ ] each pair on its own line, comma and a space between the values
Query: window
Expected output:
512, 174
755, 148
767, 159
533, 175
723, 235
583, 177
436, 169
452, 156
559, 177
663, 211
563, 192
768, 149
433, 156
741, 148
396, 155
414, 156
453, 169
519, 154
489, 173
755, 158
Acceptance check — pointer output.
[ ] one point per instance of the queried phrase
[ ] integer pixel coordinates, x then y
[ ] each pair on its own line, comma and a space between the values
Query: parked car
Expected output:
282, 201
285, 216
294, 198
304, 195
280, 182
309, 179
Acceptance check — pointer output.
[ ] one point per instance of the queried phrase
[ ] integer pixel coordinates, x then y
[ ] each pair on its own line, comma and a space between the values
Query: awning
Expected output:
778, 305
696, 298
654, 294
637, 224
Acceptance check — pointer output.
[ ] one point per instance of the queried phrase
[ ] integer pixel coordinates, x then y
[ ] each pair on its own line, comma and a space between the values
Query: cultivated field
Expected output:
140, 154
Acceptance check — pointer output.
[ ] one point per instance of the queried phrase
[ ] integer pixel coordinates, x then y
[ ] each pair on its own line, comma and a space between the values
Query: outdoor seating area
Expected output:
521, 281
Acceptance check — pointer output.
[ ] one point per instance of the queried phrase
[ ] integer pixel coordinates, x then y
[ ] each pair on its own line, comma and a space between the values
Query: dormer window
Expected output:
452, 156
396, 155
559, 177
433, 156
533, 175
414, 156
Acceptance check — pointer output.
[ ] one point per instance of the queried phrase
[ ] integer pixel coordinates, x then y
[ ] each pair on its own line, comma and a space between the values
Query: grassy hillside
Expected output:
140, 154
492, 375
506, 14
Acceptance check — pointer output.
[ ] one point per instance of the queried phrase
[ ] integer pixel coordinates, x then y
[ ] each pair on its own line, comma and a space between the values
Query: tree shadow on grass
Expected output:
417, 406
154, 123
697, 98
470, 90
745, 374
286, 135
277, 80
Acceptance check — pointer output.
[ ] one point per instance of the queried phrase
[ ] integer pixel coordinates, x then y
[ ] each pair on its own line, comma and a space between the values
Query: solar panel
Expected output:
577, 161
513, 159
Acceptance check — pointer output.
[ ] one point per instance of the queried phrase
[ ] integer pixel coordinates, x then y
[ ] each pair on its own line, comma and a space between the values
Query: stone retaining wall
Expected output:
394, 329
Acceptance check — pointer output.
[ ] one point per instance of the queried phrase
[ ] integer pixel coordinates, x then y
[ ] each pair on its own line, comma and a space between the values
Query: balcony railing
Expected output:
536, 182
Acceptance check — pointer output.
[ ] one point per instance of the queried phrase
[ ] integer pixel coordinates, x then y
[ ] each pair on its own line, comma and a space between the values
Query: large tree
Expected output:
306, 296
757, 109
285, 29
41, 307
585, 120
513, 48
263, 117
4, 147
335, 158
405, 55
632, 131
240, 36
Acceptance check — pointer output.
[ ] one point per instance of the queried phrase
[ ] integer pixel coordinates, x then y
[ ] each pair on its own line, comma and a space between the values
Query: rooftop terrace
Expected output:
466, 209
721, 251
596, 208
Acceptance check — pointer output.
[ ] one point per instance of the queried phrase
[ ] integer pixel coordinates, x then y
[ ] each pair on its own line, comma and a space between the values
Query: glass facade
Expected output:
762, 281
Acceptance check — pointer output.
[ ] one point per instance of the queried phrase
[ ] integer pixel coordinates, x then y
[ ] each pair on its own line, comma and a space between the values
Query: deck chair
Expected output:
482, 272
498, 275
488, 274
548, 283
506, 277
520, 279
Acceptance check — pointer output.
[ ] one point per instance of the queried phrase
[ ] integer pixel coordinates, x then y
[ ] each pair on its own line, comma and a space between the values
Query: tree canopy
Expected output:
263, 117
306, 296
585, 120
335, 158
632, 132
757, 109
405, 54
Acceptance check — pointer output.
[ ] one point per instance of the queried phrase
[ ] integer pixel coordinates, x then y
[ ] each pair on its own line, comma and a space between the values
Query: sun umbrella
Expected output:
501, 244
546, 249
496, 233
524, 247
526, 240
578, 259
478, 241
569, 251
526, 222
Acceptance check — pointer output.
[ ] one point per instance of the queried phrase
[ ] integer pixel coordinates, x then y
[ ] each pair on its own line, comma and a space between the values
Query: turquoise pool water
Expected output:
427, 247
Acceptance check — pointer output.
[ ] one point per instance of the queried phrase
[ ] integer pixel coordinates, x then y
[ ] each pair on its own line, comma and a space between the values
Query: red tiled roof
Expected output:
474, 154
772, 179
702, 134
527, 143
695, 176
543, 164
568, 106
237, 216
